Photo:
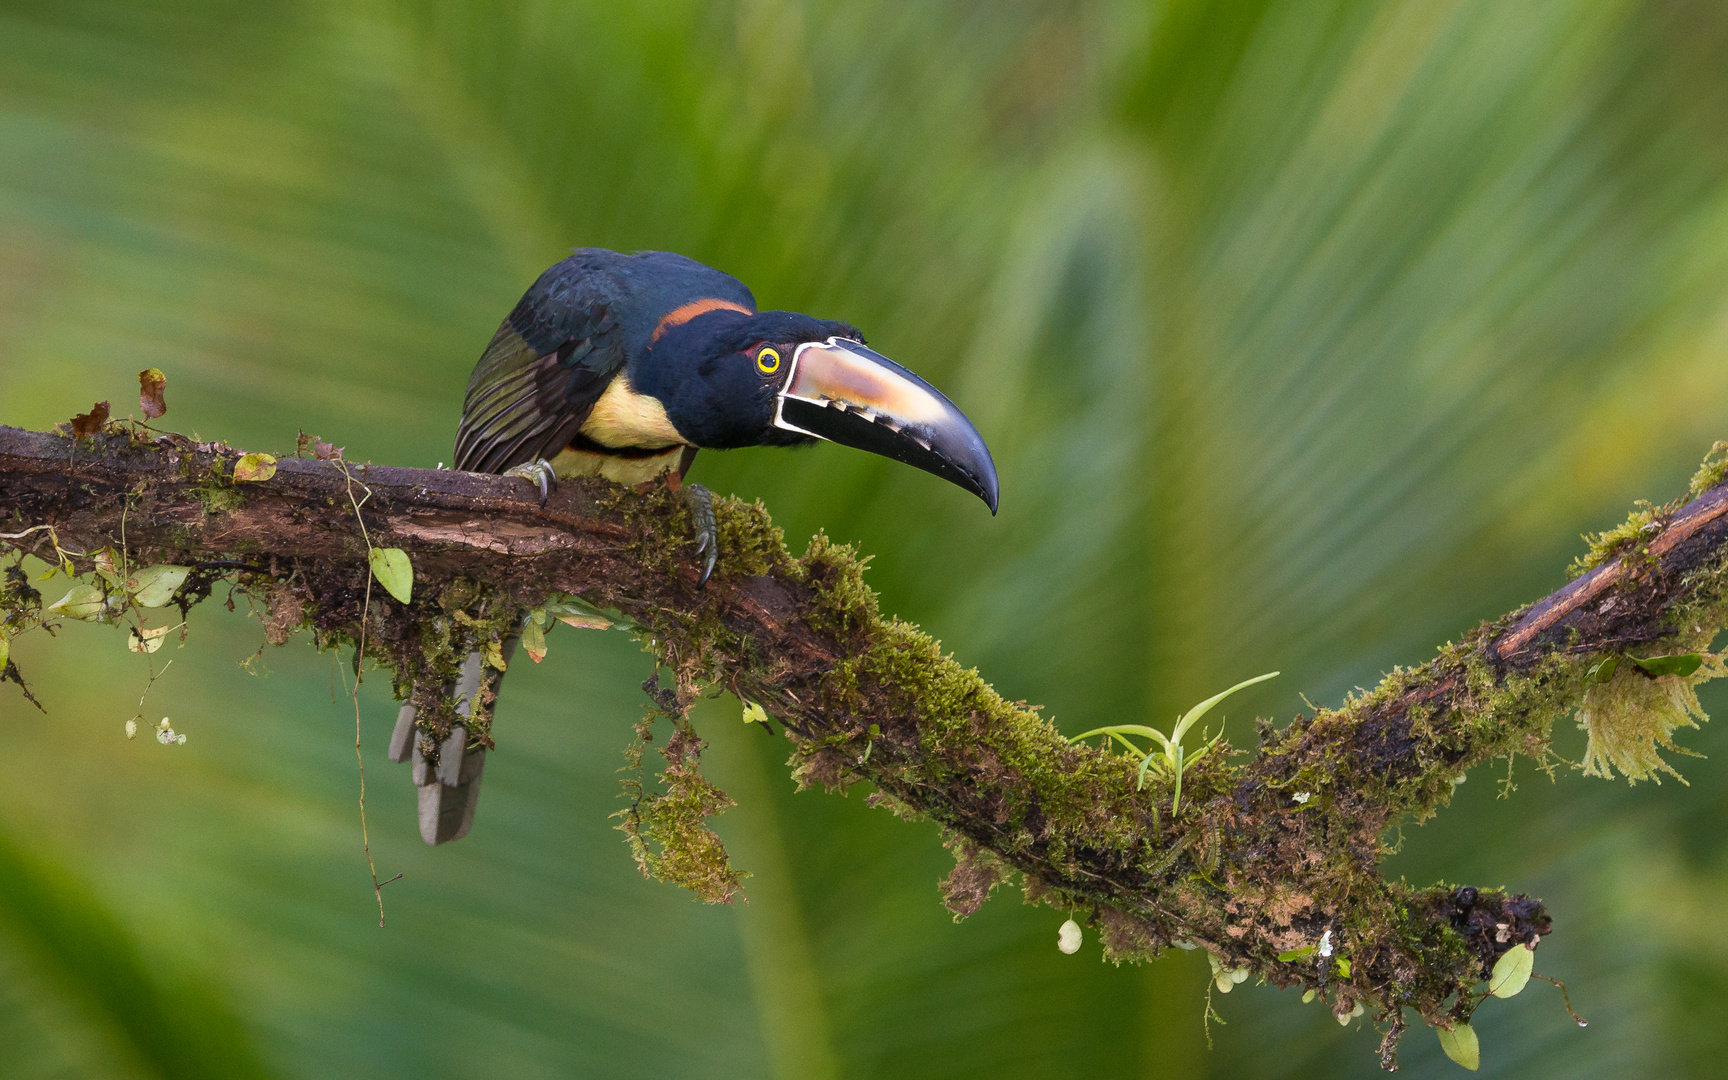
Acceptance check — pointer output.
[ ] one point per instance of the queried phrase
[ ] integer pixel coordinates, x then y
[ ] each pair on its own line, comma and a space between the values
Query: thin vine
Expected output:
354, 690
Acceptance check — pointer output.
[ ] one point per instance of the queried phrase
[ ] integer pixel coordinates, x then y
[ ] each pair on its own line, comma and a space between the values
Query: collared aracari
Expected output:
623, 366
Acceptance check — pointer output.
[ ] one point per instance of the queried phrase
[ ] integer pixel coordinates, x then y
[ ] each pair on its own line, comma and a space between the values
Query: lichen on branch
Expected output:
1269, 860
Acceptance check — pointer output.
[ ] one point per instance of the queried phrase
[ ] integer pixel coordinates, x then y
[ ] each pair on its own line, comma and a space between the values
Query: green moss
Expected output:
1625, 539
655, 547
752, 545
1712, 472
1646, 520
844, 604
212, 484
217, 498
667, 829
1632, 718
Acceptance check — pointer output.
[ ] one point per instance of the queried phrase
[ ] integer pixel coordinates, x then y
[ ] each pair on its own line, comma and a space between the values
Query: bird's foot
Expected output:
701, 502
540, 471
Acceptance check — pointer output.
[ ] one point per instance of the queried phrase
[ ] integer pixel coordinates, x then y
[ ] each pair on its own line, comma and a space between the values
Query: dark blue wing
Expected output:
547, 365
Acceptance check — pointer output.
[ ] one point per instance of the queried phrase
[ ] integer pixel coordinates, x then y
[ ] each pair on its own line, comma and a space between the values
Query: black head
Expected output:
778, 378
719, 374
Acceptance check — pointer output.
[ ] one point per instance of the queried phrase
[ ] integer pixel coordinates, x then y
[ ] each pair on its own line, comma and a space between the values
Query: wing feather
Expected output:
539, 377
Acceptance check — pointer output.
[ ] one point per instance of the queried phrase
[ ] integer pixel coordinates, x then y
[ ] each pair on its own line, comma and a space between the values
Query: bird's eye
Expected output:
768, 360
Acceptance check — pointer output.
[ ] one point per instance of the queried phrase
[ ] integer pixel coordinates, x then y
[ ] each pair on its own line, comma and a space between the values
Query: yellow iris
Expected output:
768, 361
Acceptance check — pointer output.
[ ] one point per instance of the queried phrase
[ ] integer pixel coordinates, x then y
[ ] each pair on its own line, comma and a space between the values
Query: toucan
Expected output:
623, 366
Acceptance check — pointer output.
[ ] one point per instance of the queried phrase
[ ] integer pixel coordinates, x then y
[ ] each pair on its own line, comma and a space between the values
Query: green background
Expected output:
1305, 335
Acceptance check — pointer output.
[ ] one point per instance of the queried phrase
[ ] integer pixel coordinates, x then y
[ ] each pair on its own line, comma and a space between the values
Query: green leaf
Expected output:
577, 612
394, 571
1604, 669
1681, 664
754, 713
534, 640
1342, 967
5, 651
586, 622
1140, 777
154, 586
1461, 1046
1122, 729
1192, 715
255, 467
1298, 954
1512, 971
1128, 745
84, 602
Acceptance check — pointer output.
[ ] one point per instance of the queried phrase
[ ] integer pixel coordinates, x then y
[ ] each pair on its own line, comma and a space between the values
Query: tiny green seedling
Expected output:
1174, 759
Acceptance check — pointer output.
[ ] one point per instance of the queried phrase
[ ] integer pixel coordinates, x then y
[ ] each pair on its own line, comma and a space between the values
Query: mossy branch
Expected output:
1270, 862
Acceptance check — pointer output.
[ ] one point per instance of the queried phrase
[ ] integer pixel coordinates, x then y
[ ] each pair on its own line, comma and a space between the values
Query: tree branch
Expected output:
1274, 856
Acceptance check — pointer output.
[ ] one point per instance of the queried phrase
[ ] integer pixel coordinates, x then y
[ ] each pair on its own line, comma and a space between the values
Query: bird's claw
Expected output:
540, 471
701, 502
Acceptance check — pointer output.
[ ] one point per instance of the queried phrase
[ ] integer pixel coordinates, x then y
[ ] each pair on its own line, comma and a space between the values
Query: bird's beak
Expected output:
841, 391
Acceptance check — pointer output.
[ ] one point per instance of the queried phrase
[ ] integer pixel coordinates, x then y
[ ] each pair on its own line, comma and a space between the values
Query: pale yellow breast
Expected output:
619, 470
622, 417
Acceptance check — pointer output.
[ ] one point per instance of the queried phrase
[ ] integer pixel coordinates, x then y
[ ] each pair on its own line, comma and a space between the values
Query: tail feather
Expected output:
450, 785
